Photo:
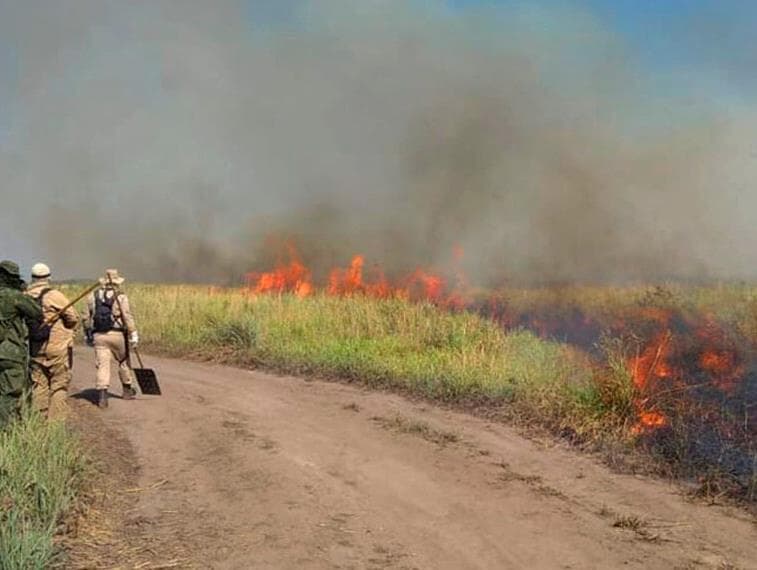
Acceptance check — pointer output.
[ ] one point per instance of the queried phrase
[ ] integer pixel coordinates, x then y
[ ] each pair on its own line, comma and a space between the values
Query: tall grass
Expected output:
582, 388
414, 347
41, 469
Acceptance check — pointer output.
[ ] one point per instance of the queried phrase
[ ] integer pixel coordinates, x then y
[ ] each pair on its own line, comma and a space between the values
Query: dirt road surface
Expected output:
240, 469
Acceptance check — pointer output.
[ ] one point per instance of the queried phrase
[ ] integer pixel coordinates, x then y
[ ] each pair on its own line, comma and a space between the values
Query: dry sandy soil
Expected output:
239, 469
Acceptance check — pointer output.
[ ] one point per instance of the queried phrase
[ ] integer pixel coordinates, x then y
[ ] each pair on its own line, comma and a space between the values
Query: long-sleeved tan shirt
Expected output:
122, 316
62, 332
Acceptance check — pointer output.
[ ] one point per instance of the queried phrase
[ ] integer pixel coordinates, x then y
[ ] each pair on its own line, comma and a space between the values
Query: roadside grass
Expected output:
453, 357
41, 470
583, 392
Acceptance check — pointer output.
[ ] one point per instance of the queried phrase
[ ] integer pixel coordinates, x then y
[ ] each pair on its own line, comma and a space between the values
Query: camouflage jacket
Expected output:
16, 312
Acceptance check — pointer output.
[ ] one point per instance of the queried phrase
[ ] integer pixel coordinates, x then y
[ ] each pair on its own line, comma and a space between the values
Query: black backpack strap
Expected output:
105, 298
42, 294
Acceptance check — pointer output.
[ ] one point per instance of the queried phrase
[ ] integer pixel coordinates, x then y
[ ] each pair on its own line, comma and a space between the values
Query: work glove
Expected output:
134, 339
89, 337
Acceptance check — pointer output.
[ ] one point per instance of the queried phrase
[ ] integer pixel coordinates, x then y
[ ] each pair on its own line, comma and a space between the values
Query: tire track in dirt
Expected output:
241, 469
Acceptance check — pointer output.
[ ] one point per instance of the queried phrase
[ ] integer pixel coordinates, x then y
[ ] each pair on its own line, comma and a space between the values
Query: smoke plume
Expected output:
181, 140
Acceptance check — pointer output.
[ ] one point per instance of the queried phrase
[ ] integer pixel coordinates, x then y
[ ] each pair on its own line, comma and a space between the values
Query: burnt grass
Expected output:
710, 436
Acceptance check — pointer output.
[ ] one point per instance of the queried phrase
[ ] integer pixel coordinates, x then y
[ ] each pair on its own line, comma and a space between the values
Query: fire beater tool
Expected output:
146, 377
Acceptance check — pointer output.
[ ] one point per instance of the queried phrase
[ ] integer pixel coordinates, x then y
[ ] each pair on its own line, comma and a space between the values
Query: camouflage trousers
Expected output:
50, 382
14, 387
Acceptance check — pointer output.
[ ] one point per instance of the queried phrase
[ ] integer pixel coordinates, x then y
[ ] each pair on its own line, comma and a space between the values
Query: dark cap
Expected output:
10, 268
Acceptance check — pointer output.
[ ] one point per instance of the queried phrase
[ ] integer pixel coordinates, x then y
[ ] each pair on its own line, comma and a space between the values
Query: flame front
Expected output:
290, 277
294, 277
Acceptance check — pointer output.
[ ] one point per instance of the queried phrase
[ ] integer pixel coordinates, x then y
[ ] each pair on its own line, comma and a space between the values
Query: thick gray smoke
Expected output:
173, 139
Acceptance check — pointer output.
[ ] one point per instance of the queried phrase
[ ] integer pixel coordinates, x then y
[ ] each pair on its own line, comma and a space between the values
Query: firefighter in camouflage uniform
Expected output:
17, 313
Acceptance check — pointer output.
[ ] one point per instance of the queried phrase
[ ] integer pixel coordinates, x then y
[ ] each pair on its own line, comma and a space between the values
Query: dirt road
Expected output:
241, 469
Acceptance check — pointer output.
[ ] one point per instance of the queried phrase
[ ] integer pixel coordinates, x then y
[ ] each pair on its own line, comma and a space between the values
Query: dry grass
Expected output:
402, 424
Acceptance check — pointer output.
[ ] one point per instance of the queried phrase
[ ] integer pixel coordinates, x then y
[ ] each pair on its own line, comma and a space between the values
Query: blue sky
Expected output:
714, 36
659, 32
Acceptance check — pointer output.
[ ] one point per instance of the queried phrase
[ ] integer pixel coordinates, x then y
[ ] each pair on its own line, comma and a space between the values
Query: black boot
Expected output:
129, 392
102, 398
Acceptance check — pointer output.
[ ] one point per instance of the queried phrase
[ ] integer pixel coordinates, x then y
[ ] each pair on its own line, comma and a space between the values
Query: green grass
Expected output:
584, 392
386, 343
41, 470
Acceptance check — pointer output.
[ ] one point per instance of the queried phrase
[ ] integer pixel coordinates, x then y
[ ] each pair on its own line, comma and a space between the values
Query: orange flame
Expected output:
347, 281
720, 359
652, 363
287, 277
293, 276
648, 368
705, 353
426, 286
724, 368
649, 421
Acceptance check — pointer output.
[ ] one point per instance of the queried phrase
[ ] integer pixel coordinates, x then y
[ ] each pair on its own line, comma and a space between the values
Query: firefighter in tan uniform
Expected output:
51, 346
111, 329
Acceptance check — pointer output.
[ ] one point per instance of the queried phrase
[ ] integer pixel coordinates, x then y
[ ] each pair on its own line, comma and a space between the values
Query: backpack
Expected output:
102, 320
39, 333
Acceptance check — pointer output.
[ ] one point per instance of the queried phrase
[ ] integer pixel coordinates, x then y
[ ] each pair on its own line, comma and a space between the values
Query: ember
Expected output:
647, 421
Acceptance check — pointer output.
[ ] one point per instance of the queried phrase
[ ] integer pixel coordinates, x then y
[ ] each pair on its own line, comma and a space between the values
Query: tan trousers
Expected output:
113, 344
50, 382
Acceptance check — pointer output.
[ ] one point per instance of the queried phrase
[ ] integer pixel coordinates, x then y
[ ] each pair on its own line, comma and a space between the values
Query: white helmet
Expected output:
40, 271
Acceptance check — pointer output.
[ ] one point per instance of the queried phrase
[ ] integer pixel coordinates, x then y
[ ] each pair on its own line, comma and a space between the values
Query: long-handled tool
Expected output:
50, 321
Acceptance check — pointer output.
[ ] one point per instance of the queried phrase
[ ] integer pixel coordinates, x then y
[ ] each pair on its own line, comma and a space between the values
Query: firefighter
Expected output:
51, 346
111, 329
17, 313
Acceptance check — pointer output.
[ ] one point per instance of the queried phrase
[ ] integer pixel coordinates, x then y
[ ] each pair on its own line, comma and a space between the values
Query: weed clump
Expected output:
402, 424
41, 470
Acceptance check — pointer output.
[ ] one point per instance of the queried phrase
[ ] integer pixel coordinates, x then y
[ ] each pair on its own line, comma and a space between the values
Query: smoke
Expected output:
174, 139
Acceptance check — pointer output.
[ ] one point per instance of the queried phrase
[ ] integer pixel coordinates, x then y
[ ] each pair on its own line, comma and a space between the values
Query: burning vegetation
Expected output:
686, 375
292, 276
676, 376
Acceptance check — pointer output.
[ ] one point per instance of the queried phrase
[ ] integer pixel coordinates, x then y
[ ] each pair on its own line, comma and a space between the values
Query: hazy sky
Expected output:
173, 127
